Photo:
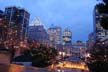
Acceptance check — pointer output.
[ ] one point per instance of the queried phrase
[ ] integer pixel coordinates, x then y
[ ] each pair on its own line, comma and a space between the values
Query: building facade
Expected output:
79, 49
55, 35
18, 20
38, 33
99, 31
67, 41
3, 29
67, 37
1, 13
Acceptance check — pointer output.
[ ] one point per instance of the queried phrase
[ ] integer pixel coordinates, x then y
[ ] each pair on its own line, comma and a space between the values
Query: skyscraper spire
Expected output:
36, 22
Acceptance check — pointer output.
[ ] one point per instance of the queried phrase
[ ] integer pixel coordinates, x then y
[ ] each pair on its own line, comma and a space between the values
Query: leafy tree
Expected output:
3, 31
98, 60
101, 8
43, 56
104, 22
105, 1
27, 52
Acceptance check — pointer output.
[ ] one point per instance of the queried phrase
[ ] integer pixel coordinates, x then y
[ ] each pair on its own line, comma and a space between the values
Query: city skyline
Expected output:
63, 12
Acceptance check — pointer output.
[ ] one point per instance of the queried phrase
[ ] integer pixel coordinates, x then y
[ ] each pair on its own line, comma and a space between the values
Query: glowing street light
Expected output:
88, 55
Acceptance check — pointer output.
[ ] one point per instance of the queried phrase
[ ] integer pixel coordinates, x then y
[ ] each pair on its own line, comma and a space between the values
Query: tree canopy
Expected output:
105, 1
104, 22
42, 56
98, 60
103, 10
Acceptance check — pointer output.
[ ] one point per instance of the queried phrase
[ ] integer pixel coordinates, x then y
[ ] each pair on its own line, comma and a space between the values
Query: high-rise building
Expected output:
3, 29
55, 35
67, 37
67, 41
38, 33
1, 13
18, 20
79, 49
99, 31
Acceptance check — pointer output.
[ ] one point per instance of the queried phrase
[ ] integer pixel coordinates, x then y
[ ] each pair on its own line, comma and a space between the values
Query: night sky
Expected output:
74, 14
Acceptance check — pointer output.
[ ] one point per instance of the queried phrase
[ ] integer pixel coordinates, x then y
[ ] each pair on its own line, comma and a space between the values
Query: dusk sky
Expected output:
74, 14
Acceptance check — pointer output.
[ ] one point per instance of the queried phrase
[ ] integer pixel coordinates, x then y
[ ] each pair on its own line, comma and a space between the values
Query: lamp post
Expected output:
87, 56
60, 55
63, 55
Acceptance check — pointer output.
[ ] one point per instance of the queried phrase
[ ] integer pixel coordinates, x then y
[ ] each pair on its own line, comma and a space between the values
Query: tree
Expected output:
98, 60
27, 52
105, 1
3, 31
104, 22
101, 8
43, 56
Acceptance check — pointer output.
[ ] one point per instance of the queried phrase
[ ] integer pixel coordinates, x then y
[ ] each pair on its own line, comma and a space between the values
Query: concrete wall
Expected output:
4, 58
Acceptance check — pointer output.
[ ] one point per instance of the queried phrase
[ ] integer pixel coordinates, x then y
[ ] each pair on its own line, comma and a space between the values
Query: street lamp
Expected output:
62, 55
87, 56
